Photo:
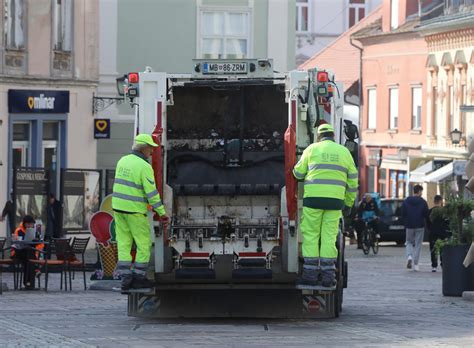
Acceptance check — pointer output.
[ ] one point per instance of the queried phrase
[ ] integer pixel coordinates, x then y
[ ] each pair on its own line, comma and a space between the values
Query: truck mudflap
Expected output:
235, 303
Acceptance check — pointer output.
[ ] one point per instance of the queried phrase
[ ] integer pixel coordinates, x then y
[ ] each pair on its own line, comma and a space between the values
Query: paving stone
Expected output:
384, 306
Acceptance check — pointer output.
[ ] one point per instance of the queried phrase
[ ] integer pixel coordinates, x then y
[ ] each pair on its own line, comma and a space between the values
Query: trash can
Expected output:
455, 275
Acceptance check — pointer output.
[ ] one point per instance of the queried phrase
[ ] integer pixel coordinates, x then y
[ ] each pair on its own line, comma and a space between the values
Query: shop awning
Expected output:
394, 164
419, 173
441, 174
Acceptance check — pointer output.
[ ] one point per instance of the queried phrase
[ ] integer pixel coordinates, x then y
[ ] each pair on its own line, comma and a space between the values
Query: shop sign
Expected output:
30, 190
36, 101
102, 128
437, 164
375, 157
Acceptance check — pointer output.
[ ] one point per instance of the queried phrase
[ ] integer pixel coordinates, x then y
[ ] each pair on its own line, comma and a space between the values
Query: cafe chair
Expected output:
53, 260
8, 264
78, 249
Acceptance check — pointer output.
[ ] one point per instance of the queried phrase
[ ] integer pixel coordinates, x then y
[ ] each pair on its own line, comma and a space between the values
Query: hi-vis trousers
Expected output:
319, 229
129, 228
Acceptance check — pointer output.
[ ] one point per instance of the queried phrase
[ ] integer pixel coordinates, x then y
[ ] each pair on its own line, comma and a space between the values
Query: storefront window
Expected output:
21, 131
50, 131
370, 179
401, 184
382, 182
21, 144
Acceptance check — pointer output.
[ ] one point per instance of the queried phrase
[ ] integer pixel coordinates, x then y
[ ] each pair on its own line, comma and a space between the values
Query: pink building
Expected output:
393, 107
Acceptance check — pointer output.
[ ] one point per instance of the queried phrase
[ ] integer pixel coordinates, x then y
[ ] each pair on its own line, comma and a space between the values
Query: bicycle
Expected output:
370, 239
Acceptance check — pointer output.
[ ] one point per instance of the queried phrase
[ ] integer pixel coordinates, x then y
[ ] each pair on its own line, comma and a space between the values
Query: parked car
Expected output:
391, 226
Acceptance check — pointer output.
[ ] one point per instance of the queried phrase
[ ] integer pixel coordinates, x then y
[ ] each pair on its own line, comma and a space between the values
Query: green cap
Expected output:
145, 139
325, 128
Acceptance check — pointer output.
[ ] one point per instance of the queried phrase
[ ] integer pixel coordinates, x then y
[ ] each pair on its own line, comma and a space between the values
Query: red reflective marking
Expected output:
293, 114
313, 306
190, 254
249, 254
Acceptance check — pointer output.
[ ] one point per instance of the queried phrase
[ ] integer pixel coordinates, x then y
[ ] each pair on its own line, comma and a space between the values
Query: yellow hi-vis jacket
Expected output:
329, 174
134, 186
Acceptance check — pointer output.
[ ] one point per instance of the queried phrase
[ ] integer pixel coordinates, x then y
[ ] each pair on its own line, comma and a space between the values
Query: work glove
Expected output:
165, 220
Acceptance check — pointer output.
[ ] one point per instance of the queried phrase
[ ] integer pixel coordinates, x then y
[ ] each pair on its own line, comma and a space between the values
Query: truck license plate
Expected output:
397, 227
224, 68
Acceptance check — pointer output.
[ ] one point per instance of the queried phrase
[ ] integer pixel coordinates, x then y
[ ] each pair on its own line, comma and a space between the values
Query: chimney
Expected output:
395, 12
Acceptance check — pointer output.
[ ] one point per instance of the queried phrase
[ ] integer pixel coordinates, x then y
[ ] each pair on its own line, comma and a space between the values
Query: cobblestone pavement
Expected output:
385, 305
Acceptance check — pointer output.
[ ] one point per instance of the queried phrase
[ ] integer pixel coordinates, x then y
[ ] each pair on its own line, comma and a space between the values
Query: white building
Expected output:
48, 75
320, 22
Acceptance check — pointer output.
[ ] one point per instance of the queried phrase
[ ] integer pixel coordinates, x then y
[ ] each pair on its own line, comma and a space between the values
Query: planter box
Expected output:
455, 275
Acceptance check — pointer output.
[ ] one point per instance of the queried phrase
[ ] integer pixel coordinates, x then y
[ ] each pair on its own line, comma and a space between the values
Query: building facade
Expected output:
48, 75
167, 34
393, 113
320, 22
450, 92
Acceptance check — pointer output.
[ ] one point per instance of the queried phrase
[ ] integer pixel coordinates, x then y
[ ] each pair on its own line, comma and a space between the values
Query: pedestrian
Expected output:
22, 253
9, 213
437, 227
330, 185
53, 222
414, 214
134, 188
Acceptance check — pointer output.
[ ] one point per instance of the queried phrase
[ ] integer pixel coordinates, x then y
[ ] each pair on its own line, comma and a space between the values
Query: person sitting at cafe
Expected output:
23, 253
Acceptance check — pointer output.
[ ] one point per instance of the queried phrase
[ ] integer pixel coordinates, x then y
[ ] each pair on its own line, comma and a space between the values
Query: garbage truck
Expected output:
230, 132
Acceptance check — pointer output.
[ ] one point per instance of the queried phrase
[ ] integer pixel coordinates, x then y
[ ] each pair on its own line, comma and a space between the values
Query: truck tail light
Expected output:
323, 76
133, 77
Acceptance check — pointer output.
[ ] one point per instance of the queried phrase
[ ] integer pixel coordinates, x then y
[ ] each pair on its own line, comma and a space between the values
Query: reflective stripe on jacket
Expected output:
134, 186
328, 171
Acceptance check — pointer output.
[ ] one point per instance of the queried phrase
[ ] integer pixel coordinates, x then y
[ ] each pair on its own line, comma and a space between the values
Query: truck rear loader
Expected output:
230, 133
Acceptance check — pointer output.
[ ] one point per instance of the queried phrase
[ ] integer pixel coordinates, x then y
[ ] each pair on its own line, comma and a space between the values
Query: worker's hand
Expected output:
165, 220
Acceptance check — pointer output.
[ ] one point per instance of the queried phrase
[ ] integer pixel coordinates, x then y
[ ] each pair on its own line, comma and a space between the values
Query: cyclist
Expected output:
368, 212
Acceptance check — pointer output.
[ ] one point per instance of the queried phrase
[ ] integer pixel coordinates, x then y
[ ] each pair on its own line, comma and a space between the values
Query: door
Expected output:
51, 153
20, 153
50, 149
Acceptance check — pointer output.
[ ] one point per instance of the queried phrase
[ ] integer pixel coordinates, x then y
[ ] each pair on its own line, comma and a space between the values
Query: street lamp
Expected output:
102, 103
456, 136
120, 84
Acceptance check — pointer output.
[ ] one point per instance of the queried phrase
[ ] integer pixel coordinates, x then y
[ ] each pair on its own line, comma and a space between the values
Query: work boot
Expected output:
141, 282
328, 272
328, 283
310, 272
127, 280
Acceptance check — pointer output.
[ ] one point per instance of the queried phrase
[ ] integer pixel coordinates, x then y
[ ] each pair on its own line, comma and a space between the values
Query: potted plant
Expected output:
456, 278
